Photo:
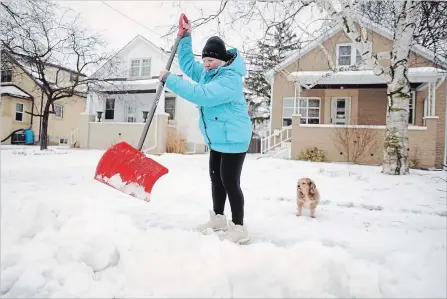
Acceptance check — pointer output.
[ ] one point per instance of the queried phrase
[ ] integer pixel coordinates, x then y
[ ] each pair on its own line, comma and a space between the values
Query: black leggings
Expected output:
225, 172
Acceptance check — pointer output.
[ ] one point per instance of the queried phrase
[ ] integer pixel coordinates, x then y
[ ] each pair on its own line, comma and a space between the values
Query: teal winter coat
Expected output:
223, 113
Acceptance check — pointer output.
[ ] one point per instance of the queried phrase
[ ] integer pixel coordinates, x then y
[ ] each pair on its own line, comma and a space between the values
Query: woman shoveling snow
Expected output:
223, 121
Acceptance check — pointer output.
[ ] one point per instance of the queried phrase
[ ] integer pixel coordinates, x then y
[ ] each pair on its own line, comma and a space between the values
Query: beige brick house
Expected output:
22, 97
310, 105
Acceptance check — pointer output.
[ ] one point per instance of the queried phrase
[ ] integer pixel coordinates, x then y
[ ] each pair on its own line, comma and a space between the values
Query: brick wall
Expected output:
422, 142
441, 99
372, 106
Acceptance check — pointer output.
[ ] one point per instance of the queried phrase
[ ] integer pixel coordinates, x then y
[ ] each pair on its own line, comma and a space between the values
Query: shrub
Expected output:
312, 154
175, 143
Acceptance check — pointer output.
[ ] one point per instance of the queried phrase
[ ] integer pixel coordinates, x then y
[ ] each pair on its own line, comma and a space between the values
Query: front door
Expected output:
340, 110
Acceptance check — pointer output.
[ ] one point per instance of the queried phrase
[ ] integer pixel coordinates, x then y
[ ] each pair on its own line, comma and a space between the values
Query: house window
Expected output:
131, 109
19, 111
340, 110
58, 110
63, 141
348, 55
140, 67
110, 109
307, 107
6, 75
411, 106
170, 107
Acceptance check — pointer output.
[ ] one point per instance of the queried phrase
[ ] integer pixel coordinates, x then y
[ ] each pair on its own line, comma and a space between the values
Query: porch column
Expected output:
84, 129
431, 98
161, 103
88, 104
296, 126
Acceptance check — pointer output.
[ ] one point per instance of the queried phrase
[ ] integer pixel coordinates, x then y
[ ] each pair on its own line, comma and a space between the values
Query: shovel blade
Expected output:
128, 170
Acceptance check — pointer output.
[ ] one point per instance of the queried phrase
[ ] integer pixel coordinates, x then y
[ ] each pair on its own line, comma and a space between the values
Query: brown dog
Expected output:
307, 196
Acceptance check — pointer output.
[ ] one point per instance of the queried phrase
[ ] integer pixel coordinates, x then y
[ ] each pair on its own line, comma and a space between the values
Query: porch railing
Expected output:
275, 139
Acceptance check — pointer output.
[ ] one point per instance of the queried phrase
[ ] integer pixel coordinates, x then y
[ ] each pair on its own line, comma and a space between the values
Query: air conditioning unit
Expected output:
18, 138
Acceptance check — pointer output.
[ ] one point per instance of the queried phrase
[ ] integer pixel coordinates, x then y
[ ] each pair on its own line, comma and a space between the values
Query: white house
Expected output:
117, 106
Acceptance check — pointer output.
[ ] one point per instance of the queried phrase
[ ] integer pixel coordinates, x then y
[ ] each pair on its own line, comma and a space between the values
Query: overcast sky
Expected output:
121, 21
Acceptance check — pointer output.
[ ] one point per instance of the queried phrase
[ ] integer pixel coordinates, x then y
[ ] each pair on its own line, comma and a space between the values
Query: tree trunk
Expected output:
395, 159
396, 135
44, 127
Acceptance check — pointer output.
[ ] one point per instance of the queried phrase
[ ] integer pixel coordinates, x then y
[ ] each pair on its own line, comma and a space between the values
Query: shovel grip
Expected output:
181, 24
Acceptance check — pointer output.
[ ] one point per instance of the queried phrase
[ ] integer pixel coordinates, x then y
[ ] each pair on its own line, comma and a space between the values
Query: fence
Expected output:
255, 145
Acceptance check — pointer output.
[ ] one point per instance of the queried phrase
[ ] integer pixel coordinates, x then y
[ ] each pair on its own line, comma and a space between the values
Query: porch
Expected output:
325, 107
361, 144
127, 101
117, 110
102, 135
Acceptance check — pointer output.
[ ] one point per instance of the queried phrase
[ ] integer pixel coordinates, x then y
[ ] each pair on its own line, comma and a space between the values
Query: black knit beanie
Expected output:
215, 48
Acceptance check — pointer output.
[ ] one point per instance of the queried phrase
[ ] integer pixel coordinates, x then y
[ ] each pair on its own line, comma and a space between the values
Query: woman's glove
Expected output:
163, 75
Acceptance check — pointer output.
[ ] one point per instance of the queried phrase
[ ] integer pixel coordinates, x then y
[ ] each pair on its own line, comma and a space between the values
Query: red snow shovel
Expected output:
126, 168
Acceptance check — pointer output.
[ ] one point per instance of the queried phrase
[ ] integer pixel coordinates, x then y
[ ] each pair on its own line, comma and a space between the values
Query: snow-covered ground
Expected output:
64, 234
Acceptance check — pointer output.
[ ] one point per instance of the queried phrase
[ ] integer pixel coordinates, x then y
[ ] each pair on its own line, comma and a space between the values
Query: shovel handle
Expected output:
161, 86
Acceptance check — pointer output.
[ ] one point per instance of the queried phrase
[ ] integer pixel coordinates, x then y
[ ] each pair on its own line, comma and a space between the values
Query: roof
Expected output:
415, 75
34, 75
14, 91
145, 40
418, 49
22, 59
117, 85
127, 84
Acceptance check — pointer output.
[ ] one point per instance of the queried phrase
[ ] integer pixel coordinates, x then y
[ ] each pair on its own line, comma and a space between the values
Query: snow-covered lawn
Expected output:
64, 234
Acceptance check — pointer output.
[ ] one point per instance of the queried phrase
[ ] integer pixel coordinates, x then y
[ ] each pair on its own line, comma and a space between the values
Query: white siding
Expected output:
186, 113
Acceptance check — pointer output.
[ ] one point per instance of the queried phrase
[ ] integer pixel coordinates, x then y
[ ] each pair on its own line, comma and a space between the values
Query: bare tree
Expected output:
35, 37
431, 23
355, 141
345, 14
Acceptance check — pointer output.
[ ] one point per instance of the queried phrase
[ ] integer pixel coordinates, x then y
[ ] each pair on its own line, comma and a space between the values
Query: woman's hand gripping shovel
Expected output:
126, 168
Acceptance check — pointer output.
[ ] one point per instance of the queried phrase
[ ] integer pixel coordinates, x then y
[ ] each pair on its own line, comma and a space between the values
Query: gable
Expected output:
312, 57
139, 48
20, 75
23, 79
25, 73
316, 59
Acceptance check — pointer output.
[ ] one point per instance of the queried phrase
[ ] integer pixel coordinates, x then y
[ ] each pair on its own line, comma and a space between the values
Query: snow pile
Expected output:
66, 235
132, 188
35, 150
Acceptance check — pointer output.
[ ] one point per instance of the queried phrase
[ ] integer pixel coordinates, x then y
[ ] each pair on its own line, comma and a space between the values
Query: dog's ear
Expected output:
298, 188
312, 187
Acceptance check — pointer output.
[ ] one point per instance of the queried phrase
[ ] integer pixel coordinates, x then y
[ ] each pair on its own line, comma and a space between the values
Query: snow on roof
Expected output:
13, 91
31, 70
123, 85
415, 75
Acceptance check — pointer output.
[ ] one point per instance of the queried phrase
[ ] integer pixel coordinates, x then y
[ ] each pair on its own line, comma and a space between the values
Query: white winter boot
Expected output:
237, 233
215, 223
